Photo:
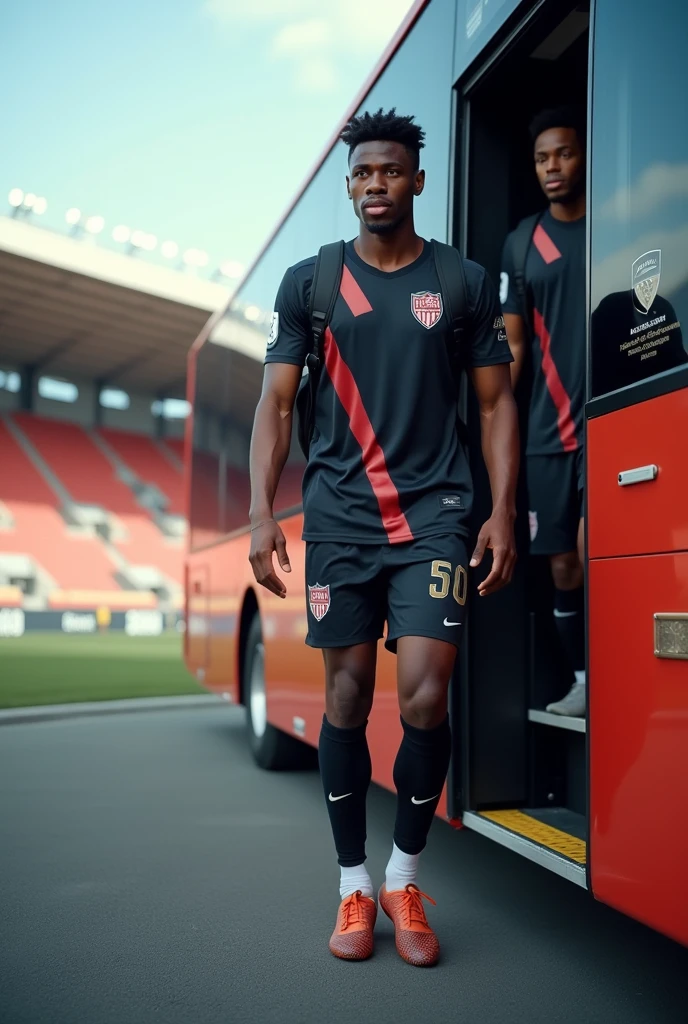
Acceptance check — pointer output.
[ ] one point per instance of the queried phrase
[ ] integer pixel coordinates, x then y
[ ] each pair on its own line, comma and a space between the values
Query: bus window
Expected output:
639, 203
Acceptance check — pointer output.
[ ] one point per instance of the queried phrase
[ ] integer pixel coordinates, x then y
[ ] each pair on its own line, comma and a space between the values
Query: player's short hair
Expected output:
384, 127
569, 116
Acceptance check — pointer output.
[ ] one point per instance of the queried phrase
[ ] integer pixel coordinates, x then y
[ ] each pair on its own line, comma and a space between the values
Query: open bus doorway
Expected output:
522, 771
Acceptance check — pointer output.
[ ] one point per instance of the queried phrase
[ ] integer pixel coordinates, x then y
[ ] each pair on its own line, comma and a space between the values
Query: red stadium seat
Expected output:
144, 457
90, 479
40, 532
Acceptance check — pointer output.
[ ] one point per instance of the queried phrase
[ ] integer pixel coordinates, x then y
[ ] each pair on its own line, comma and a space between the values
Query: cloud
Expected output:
316, 75
302, 37
659, 184
258, 10
315, 37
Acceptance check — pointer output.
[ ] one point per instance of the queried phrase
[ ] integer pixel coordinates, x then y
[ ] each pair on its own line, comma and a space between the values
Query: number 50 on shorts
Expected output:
444, 572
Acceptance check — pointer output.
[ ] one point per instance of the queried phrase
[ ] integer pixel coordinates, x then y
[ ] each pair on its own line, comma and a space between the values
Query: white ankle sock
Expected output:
354, 878
580, 676
401, 870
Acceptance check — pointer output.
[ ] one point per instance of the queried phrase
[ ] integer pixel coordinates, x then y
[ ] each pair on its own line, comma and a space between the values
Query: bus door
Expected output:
637, 429
522, 776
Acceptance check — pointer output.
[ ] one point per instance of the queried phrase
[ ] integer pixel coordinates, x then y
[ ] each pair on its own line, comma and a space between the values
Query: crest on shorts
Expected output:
426, 307
319, 600
533, 524
645, 279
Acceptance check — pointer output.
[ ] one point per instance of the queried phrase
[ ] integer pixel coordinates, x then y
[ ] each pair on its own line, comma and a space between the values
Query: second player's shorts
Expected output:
418, 588
555, 501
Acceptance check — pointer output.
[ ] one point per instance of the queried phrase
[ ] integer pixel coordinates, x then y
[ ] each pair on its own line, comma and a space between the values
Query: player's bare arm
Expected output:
500, 446
270, 443
516, 336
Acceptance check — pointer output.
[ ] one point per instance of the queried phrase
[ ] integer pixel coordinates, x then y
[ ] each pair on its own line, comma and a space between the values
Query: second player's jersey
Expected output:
555, 292
385, 463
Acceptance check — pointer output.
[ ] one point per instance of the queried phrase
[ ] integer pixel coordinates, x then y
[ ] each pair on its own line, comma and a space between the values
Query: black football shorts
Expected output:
419, 588
555, 501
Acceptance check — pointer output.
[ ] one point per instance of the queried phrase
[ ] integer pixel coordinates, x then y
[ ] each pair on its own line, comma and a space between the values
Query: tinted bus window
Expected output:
229, 368
476, 23
639, 193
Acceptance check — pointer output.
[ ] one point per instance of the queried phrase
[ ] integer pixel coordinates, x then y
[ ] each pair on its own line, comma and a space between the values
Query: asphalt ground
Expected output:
150, 872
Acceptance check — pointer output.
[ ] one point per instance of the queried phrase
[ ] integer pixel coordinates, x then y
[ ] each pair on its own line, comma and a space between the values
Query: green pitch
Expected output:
54, 668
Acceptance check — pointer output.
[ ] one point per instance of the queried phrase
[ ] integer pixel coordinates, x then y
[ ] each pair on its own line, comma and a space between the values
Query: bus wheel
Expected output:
272, 749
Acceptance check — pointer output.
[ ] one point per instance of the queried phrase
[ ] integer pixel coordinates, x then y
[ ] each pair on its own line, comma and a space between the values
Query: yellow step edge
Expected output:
553, 838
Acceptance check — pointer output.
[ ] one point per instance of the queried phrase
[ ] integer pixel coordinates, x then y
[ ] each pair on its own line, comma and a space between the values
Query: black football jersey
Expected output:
385, 463
555, 290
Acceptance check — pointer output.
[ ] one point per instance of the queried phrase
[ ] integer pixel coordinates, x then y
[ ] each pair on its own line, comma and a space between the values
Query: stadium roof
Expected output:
75, 310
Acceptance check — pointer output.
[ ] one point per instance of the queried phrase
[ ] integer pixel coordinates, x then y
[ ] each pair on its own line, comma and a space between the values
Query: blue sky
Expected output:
195, 120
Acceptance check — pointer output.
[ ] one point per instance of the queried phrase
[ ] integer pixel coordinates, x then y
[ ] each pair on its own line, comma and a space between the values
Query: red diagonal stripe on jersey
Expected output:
565, 424
545, 246
351, 292
393, 519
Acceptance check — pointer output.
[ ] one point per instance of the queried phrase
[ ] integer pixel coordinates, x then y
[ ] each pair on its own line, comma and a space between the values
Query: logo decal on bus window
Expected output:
645, 280
274, 330
319, 600
426, 307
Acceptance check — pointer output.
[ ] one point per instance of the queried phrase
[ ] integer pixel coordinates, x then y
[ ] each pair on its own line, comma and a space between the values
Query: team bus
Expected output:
602, 800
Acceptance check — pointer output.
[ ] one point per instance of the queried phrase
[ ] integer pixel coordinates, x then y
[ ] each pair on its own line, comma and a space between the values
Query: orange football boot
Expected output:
415, 940
352, 938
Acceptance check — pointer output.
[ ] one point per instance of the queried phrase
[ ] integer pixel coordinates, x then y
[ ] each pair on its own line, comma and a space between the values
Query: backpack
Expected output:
520, 245
327, 278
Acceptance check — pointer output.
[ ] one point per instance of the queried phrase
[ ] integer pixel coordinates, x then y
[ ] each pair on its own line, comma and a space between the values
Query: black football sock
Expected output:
345, 770
570, 619
419, 773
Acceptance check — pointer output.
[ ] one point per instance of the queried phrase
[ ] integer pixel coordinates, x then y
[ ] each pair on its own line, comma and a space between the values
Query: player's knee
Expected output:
349, 698
426, 706
567, 571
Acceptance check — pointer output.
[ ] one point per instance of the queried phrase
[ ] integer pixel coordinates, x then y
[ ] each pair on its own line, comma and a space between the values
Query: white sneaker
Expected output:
573, 704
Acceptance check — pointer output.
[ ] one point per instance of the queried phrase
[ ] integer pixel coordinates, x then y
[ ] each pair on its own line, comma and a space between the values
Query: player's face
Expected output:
560, 164
382, 183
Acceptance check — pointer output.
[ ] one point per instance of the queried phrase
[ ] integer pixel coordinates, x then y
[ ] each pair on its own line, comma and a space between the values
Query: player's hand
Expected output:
498, 535
265, 539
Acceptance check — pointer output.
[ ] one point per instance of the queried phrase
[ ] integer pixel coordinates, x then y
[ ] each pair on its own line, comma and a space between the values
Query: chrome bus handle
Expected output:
637, 476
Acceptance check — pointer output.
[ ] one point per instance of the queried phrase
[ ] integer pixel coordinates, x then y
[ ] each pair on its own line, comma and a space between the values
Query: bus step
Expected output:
531, 834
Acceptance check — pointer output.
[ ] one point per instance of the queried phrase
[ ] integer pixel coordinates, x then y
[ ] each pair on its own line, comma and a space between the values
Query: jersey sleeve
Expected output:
488, 336
507, 292
290, 331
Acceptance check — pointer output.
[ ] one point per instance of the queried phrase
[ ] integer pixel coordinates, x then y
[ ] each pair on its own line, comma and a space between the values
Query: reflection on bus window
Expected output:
629, 345
639, 231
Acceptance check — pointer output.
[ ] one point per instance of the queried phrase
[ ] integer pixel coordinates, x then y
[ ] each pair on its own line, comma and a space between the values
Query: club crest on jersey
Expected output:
426, 307
319, 600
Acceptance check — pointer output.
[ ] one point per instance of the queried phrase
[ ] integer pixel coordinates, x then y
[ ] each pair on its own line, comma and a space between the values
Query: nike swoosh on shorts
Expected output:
426, 801
333, 799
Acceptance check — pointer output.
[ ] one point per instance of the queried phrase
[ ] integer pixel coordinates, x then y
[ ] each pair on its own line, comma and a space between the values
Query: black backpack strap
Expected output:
520, 244
327, 278
452, 278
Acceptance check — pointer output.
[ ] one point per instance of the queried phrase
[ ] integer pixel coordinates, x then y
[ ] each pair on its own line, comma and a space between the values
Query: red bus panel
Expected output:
639, 741
646, 517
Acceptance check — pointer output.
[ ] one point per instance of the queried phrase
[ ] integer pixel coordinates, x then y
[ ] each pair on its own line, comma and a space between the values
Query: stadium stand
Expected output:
35, 529
92, 498
176, 446
90, 480
144, 457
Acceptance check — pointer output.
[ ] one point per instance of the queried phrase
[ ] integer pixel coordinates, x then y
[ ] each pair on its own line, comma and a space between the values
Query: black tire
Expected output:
272, 749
